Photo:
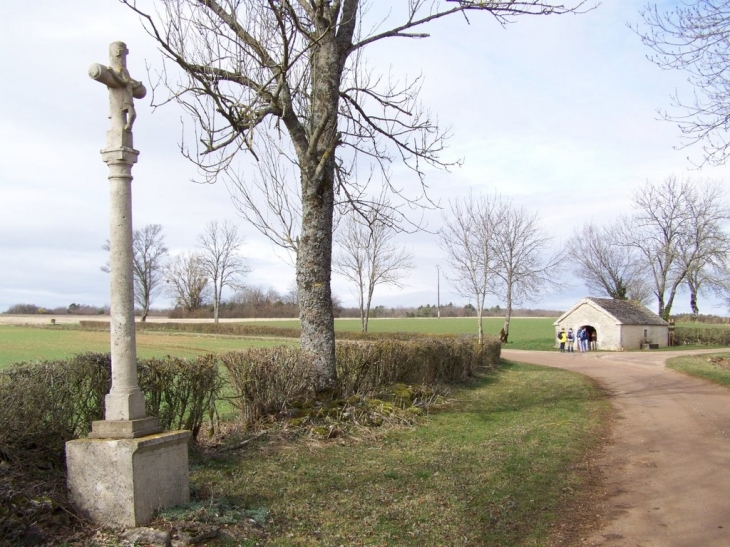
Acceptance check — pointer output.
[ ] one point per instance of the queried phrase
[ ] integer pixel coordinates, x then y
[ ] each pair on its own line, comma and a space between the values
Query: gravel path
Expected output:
666, 468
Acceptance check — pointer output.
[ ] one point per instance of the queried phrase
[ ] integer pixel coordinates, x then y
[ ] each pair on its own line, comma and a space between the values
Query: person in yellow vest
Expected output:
562, 338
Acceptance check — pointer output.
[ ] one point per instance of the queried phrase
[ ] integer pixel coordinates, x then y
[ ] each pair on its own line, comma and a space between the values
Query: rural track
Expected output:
666, 467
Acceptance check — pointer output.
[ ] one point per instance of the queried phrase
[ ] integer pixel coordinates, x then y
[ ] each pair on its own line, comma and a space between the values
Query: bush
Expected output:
178, 391
266, 380
364, 367
43, 405
701, 336
270, 380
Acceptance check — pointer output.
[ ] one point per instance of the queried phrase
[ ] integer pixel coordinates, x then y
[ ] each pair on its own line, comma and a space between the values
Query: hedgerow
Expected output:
268, 381
701, 336
45, 404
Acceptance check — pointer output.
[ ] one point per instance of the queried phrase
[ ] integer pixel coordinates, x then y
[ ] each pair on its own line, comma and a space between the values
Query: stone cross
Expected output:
127, 469
125, 415
122, 92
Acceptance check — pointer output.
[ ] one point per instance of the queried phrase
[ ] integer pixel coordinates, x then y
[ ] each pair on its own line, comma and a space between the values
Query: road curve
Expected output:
667, 466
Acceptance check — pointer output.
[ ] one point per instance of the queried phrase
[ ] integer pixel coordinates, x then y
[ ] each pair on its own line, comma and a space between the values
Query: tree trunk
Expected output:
313, 279
693, 305
363, 322
317, 167
661, 312
508, 315
216, 304
371, 290
361, 302
672, 293
480, 328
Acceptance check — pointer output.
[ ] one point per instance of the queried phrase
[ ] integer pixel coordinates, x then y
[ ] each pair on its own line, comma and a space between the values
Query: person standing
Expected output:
593, 341
582, 338
571, 340
562, 338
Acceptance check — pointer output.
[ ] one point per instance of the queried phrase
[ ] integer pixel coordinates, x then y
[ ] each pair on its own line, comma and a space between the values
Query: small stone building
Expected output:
618, 324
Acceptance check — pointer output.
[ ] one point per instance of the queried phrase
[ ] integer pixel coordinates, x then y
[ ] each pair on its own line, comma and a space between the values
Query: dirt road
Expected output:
667, 467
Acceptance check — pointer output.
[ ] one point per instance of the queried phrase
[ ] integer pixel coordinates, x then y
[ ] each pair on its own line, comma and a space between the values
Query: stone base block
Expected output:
124, 429
122, 482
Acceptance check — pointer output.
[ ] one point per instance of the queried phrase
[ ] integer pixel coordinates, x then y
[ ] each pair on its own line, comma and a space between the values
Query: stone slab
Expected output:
124, 429
122, 482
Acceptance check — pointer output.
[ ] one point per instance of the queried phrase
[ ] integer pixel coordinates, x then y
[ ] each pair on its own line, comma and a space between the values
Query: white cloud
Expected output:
557, 113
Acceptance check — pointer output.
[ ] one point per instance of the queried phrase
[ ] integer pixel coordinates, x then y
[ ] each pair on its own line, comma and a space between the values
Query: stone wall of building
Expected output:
634, 335
608, 334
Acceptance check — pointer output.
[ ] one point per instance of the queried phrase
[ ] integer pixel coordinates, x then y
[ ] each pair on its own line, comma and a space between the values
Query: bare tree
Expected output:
522, 263
290, 77
713, 277
677, 229
706, 247
187, 281
466, 239
369, 257
656, 232
607, 267
219, 246
692, 38
148, 261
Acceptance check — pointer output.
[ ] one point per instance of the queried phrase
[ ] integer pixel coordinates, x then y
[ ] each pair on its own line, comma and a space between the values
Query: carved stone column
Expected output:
128, 468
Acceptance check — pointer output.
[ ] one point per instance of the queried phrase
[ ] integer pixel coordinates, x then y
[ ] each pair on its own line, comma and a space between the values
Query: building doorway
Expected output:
592, 340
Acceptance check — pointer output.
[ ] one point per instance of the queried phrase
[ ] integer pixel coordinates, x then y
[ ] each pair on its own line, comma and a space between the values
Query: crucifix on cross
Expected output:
123, 89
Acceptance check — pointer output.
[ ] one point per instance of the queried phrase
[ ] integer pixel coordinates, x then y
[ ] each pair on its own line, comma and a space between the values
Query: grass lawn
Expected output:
525, 332
26, 343
713, 367
498, 467
44, 343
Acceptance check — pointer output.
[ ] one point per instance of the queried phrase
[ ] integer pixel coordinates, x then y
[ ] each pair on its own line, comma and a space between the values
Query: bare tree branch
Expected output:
291, 74
693, 38
186, 281
607, 267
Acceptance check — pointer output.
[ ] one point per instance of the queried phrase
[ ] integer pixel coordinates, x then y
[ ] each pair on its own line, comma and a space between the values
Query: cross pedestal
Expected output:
128, 467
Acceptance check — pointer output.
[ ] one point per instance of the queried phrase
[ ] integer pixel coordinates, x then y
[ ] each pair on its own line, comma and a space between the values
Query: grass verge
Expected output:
499, 466
712, 367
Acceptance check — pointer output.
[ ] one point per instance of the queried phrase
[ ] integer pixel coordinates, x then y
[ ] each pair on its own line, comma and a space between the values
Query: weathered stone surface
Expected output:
147, 536
194, 533
125, 400
122, 482
124, 429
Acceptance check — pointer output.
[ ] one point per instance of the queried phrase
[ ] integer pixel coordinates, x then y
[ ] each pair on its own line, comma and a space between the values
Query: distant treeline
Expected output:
72, 309
277, 308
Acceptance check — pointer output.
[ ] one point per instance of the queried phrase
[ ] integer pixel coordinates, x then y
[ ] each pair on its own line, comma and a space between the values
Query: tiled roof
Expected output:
628, 312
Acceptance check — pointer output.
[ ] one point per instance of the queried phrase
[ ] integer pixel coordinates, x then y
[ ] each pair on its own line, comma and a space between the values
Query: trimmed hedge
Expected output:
43, 405
701, 336
269, 380
179, 392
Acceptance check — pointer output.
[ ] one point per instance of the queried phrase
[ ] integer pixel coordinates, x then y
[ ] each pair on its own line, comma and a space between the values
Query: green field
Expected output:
26, 343
44, 343
525, 332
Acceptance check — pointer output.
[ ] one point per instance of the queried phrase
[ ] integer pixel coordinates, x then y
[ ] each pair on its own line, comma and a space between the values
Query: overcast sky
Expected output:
557, 113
